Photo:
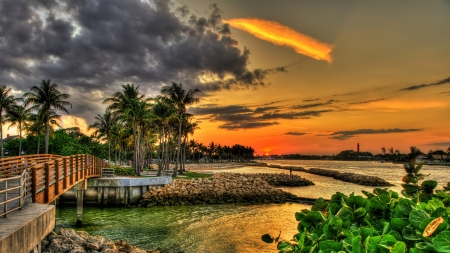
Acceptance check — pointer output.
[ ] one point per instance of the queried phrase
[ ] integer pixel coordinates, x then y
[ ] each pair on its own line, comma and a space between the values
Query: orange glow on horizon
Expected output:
279, 34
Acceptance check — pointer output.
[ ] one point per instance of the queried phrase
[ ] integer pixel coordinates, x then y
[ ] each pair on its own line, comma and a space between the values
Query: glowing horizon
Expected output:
282, 35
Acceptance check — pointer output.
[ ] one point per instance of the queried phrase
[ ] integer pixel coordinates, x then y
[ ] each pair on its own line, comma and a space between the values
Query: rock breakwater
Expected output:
351, 177
223, 188
345, 176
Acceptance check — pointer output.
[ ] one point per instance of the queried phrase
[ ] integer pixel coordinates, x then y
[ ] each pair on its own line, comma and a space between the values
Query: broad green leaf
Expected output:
319, 205
328, 244
440, 212
434, 204
356, 245
366, 232
399, 247
410, 188
284, 246
429, 185
355, 202
396, 234
371, 245
441, 243
336, 198
368, 194
417, 216
386, 227
398, 224
347, 244
300, 215
360, 212
426, 246
345, 213
409, 233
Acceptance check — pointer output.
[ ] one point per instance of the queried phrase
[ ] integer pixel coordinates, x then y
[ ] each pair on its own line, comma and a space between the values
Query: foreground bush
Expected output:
381, 221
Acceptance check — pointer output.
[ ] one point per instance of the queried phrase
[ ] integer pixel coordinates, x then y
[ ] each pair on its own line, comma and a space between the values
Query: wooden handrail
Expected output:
22, 192
48, 176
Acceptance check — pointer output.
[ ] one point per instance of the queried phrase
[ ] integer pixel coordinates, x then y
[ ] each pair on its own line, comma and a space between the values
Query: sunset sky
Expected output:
308, 77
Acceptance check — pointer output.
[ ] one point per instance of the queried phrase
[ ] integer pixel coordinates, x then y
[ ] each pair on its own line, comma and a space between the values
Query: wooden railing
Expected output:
48, 176
12, 191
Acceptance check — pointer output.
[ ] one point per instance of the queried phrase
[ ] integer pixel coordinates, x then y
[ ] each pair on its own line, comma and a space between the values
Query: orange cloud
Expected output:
68, 121
279, 34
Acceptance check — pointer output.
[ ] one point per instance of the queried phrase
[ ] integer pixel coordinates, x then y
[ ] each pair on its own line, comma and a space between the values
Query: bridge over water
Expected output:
27, 182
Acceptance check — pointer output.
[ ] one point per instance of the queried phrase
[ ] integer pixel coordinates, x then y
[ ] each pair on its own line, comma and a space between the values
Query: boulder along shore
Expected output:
224, 188
67, 240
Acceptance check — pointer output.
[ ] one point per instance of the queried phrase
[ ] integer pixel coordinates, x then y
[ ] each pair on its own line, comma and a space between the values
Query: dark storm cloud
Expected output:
91, 45
266, 108
416, 87
219, 110
306, 106
295, 133
311, 100
367, 101
443, 144
344, 135
292, 115
246, 125
346, 94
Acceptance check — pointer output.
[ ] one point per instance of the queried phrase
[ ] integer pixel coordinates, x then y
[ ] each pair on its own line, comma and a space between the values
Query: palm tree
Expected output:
163, 111
181, 99
36, 125
103, 128
131, 108
44, 99
18, 116
7, 101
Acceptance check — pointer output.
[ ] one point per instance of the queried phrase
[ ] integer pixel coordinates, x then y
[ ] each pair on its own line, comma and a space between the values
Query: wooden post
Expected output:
65, 173
76, 168
71, 170
33, 184
57, 175
47, 182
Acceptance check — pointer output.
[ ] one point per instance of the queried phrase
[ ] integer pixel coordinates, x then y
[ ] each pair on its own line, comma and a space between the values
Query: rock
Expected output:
82, 242
66, 232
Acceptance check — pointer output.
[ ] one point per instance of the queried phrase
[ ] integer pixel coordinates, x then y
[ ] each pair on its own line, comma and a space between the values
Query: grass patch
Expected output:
190, 175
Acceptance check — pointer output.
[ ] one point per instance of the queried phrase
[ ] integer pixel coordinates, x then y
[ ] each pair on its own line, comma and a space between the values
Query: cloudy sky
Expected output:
308, 77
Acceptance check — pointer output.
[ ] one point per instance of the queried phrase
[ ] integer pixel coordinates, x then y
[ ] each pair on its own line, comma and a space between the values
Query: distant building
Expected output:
357, 148
10, 137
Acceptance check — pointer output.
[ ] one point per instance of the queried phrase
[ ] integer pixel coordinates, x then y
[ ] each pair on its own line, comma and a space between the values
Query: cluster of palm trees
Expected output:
218, 153
130, 118
131, 124
34, 113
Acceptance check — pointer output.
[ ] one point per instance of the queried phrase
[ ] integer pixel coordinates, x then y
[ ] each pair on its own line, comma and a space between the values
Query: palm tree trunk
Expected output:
180, 122
47, 132
20, 137
109, 151
1, 133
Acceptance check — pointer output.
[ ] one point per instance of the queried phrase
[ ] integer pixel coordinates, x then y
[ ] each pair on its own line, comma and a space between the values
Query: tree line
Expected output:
134, 128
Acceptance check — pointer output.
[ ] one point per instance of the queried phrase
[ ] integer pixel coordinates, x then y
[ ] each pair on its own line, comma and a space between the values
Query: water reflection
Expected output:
230, 228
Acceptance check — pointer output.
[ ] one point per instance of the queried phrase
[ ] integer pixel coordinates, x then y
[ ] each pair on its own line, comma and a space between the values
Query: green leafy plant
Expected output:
381, 221
412, 188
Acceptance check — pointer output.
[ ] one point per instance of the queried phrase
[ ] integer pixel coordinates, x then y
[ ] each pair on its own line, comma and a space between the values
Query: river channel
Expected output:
230, 227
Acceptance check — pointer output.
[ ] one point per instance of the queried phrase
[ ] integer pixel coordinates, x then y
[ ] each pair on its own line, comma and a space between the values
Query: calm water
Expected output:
229, 228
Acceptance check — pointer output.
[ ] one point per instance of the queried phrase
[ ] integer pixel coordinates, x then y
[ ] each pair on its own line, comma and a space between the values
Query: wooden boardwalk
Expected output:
42, 178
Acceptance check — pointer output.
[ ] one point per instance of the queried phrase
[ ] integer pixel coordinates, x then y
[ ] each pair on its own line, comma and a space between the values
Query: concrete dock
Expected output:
23, 230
